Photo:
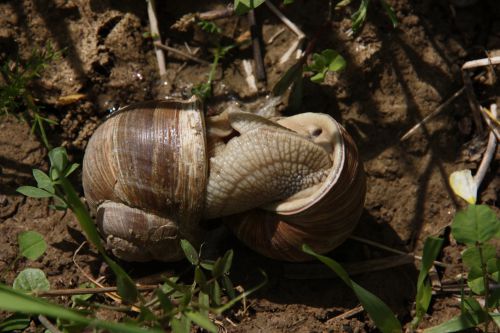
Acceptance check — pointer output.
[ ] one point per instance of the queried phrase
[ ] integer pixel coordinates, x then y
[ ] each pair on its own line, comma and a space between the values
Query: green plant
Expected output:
204, 90
15, 95
174, 304
381, 314
476, 227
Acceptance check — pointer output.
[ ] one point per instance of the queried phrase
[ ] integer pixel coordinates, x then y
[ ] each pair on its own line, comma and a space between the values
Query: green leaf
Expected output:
493, 267
456, 324
214, 293
243, 6
43, 180
382, 316
334, 60
33, 192
204, 303
125, 285
16, 301
288, 78
182, 325
31, 244
472, 258
475, 280
227, 261
200, 279
432, 247
190, 252
201, 321
319, 77
71, 169
58, 158
228, 286
218, 268
81, 298
165, 302
495, 317
241, 296
358, 18
31, 279
478, 223
390, 12
17, 321
208, 265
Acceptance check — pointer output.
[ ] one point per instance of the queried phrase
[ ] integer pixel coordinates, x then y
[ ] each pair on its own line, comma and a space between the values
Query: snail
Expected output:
154, 170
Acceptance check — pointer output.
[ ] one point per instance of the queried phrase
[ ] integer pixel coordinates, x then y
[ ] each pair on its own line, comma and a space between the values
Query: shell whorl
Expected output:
150, 156
323, 218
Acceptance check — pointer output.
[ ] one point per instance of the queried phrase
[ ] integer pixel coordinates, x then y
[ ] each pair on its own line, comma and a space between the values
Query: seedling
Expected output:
476, 227
15, 95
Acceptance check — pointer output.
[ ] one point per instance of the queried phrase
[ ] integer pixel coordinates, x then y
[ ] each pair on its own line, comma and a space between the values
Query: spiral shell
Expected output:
144, 174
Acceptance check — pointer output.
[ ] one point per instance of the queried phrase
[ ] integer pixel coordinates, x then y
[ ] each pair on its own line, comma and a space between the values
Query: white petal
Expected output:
464, 185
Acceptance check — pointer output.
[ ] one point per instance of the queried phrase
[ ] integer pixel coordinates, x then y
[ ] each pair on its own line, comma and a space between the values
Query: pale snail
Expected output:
154, 170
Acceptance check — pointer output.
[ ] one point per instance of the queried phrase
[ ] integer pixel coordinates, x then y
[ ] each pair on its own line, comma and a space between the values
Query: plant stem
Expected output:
486, 286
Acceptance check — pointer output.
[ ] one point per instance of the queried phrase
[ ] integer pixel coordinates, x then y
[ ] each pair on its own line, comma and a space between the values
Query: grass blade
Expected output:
383, 317
15, 301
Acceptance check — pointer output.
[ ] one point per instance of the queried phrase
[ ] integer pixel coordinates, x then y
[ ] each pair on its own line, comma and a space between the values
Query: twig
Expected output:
181, 53
216, 14
249, 77
473, 102
488, 154
48, 325
82, 291
489, 117
273, 37
155, 32
297, 45
390, 249
432, 114
257, 51
481, 62
346, 314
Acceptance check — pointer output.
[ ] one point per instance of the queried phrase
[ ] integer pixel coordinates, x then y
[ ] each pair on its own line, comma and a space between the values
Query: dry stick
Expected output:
346, 314
488, 155
489, 118
48, 325
390, 249
181, 53
473, 102
257, 51
481, 62
297, 45
153, 25
216, 14
82, 291
432, 114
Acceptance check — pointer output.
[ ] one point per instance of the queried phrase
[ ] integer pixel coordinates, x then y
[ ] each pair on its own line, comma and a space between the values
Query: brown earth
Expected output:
394, 78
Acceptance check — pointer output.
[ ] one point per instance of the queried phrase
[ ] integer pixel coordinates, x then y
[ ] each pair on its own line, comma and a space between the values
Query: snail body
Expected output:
155, 169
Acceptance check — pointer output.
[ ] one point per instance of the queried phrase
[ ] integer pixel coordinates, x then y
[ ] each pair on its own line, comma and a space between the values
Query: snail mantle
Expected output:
154, 170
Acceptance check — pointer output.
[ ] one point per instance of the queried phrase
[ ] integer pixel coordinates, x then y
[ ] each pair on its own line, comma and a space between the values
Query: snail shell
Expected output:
144, 174
150, 176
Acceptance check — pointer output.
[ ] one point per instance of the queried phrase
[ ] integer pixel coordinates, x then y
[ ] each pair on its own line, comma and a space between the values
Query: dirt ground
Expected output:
394, 78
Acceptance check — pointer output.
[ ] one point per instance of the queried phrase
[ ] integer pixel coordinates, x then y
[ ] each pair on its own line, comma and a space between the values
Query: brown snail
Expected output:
154, 170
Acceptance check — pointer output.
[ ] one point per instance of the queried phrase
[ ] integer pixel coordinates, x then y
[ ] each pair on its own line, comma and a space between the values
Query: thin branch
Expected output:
488, 155
48, 325
181, 53
296, 45
346, 314
257, 51
82, 291
432, 114
481, 63
155, 32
